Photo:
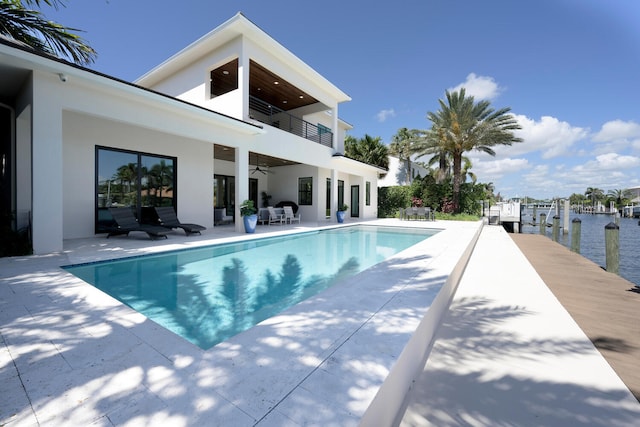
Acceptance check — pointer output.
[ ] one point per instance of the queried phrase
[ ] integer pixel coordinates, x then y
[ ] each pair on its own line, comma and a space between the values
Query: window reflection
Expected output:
135, 180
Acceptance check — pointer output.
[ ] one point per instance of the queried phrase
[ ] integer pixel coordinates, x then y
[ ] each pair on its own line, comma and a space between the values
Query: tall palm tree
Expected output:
30, 27
463, 125
368, 150
619, 195
404, 145
594, 194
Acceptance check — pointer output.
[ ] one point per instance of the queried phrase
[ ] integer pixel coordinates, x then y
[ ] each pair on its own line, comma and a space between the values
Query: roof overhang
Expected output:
238, 26
14, 56
351, 164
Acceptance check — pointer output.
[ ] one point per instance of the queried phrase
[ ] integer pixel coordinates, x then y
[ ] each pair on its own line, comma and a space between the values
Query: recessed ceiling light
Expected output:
301, 96
276, 82
225, 72
284, 102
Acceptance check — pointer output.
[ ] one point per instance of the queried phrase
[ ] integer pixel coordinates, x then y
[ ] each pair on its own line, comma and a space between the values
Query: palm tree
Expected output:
619, 195
594, 194
403, 145
463, 125
31, 28
368, 150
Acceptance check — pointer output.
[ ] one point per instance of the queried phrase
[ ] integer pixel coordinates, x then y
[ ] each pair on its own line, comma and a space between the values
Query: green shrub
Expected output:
392, 199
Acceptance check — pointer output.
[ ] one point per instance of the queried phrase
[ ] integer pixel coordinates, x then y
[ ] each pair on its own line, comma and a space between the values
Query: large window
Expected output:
135, 180
340, 193
305, 191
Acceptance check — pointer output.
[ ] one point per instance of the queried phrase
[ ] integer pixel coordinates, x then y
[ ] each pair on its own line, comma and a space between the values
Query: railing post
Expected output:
576, 230
612, 245
543, 224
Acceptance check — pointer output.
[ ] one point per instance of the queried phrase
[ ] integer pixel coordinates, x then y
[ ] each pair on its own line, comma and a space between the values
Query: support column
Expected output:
338, 144
241, 184
46, 164
334, 195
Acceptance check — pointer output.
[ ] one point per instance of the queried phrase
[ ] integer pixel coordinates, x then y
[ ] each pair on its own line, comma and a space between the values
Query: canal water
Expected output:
592, 240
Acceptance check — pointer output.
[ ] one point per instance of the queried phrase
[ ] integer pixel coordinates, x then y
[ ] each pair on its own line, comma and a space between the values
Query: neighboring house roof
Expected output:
235, 27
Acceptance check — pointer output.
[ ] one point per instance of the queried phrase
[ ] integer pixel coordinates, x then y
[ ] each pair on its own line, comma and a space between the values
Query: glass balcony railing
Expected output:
274, 116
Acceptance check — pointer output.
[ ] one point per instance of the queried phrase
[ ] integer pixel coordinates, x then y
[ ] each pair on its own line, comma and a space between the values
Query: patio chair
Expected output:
421, 212
126, 222
431, 216
274, 217
410, 212
168, 218
289, 216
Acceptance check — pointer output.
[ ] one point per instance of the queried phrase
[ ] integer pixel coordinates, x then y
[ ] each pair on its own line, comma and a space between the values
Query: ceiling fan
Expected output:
262, 170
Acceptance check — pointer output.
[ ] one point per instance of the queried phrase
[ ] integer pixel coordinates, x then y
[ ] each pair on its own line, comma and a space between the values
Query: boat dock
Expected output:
536, 335
605, 305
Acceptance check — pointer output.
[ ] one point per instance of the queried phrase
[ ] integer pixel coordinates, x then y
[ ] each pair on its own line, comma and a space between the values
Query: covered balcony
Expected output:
274, 101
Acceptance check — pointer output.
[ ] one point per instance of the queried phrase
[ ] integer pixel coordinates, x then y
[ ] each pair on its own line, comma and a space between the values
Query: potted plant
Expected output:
249, 216
341, 212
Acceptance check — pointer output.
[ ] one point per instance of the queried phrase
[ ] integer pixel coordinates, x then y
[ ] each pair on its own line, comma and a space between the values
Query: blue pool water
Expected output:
210, 294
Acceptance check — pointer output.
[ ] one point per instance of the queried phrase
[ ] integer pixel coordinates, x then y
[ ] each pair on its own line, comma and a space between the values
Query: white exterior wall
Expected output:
192, 83
61, 163
83, 133
397, 174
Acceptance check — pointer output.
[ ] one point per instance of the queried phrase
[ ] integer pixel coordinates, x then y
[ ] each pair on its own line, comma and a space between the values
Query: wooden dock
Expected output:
604, 305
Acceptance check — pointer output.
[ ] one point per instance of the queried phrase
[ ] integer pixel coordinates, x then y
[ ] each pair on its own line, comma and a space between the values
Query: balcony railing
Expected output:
274, 116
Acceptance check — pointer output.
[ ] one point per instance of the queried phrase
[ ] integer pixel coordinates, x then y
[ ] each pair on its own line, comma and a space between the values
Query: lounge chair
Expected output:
274, 217
168, 218
126, 222
289, 216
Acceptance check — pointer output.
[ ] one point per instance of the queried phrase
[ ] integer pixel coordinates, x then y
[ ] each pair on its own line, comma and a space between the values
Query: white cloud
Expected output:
490, 170
549, 135
617, 129
383, 115
480, 87
610, 162
617, 135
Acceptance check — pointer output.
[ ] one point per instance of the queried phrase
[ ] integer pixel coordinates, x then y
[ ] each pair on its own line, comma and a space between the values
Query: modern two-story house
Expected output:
230, 117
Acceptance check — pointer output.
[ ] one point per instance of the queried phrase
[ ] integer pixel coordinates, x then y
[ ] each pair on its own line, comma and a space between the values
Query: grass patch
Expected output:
456, 217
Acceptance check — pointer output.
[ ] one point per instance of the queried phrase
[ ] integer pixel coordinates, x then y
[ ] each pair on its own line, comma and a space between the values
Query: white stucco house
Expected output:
231, 116
398, 173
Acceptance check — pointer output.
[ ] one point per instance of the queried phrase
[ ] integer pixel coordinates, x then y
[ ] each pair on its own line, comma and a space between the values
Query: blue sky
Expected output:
569, 70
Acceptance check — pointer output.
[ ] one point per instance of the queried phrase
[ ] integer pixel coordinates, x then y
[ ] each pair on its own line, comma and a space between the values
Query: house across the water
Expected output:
230, 117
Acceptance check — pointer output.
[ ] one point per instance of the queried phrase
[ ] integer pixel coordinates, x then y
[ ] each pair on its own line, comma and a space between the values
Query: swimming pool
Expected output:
207, 295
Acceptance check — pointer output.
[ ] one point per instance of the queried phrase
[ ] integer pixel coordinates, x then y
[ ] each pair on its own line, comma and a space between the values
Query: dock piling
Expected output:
543, 224
612, 247
556, 228
576, 230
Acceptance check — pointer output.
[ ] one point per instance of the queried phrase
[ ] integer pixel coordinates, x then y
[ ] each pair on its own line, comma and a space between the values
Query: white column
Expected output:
242, 183
243, 85
46, 164
334, 195
337, 144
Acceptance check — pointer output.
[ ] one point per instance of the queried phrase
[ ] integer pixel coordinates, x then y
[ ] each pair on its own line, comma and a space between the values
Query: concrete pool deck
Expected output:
71, 355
